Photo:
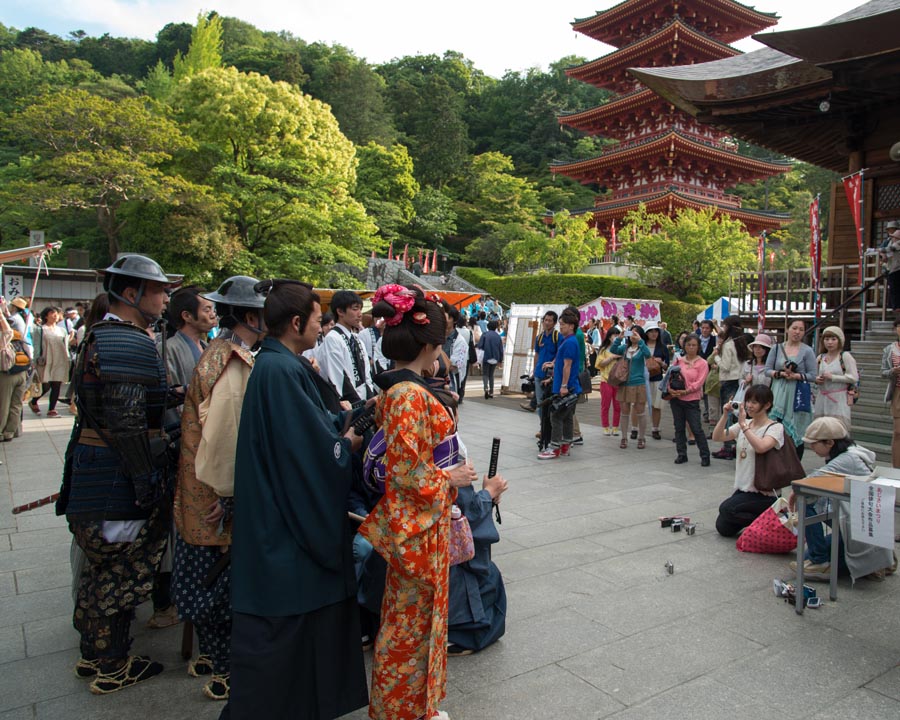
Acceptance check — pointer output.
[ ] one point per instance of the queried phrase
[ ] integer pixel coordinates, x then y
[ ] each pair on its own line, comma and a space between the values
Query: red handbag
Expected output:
769, 533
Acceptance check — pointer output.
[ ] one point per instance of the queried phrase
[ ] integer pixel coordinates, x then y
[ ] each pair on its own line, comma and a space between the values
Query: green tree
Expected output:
205, 50
570, 247
89, 153
434, 219
490, 195
693, 253
490, 250
25, 75
386, 187
279, 160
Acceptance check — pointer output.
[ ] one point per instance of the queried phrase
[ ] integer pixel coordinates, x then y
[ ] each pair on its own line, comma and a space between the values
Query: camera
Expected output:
527, 383
733, 406
790, 366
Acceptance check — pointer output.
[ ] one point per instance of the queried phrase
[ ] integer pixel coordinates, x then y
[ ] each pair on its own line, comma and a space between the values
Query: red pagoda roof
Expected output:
663, 150
724, 20
674, 44
668, 201
626, 113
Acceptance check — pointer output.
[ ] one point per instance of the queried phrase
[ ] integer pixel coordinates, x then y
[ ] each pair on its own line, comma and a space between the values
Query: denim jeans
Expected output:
818, 544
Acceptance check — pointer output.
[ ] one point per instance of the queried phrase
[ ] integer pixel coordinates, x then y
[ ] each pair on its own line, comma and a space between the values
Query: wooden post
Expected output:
787, 303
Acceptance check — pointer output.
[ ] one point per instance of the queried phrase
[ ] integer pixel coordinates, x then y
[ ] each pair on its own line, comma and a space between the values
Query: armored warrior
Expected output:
119, 472
205, 490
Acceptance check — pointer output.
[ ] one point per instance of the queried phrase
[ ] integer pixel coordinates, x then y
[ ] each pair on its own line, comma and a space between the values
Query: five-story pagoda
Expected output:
664, 159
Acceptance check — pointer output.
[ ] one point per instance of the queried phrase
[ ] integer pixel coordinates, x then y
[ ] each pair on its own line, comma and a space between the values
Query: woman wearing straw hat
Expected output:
836, 375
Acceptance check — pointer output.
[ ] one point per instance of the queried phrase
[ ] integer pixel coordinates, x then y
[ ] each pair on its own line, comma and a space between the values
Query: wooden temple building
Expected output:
664, 158
828, 95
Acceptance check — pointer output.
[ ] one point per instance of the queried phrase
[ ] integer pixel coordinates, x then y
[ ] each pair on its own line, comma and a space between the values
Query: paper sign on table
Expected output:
872, 513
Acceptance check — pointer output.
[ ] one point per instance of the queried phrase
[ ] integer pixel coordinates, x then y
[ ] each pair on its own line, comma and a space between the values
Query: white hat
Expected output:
651, 325
824, 428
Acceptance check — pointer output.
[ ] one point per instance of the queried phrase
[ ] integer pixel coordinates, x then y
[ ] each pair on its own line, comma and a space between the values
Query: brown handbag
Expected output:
654, 366
778, 467
619, 373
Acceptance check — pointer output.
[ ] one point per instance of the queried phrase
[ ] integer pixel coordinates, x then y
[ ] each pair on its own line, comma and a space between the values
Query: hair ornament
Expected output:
398, 297
420, 318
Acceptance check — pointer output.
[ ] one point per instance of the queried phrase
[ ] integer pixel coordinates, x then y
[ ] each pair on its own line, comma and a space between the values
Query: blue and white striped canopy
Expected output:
719, 310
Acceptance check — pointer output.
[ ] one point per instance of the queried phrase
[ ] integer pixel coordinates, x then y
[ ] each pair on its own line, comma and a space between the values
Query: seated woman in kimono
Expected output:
477, 596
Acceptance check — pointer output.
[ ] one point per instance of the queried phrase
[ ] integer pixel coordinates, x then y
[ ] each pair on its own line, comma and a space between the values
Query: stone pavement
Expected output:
596, 627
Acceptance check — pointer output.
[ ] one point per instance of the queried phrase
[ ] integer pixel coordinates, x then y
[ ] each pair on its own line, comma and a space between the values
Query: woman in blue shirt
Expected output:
565, 384
632, 394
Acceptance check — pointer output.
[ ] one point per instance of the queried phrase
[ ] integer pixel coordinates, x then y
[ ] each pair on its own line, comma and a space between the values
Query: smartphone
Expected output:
627, 333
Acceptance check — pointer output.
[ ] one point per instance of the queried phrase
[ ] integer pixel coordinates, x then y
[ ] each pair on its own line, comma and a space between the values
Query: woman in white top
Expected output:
835, 375
755, 434
755, 368
51, 355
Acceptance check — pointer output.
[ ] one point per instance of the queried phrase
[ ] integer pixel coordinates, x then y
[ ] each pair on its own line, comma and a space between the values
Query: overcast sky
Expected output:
497, 35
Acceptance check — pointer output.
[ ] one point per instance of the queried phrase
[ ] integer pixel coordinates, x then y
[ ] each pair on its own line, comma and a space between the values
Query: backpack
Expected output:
15, 359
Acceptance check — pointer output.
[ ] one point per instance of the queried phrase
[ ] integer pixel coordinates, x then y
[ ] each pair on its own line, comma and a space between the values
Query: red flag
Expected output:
391, 252
633, 233
425, 266
772, 259
815, 243
613, 238
434, 263
853, 188
405, 251
373, 253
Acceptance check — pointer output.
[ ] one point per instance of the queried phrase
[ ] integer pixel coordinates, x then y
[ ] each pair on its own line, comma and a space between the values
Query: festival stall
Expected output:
718, 311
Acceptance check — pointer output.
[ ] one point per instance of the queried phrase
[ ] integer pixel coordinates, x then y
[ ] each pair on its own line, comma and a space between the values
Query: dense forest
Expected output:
220, 148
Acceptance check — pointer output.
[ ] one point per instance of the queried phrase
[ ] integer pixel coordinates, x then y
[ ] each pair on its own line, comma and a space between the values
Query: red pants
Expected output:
607, 397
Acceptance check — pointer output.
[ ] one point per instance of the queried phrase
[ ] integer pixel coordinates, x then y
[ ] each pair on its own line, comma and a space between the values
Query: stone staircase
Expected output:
873, 426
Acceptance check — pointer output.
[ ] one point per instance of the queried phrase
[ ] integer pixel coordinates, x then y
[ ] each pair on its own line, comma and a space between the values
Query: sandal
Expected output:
218, 688
623, 443
641, 444
85, 668
53, 414
201, 666
34, 408
135, 670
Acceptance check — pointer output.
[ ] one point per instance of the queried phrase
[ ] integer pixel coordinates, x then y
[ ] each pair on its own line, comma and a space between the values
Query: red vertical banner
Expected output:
391, 251
761, 305
406, 255
853, 185
815, 245
612, 237
434, 267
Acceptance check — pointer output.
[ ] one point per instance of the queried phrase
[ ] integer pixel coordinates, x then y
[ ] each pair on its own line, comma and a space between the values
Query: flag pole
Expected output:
862, 251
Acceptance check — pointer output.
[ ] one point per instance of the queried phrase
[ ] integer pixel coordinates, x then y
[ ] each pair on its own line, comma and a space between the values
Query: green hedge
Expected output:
549, 289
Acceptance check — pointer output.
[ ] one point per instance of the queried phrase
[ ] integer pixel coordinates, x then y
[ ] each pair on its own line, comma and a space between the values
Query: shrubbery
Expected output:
546, 288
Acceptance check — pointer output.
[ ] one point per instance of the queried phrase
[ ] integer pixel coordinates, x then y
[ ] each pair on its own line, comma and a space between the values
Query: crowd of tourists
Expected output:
751, 394
292, 483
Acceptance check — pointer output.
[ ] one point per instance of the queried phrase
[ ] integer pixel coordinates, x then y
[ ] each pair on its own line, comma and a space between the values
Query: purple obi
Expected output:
446, 455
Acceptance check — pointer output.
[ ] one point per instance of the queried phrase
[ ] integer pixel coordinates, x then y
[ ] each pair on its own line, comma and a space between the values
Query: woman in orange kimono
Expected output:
410, 526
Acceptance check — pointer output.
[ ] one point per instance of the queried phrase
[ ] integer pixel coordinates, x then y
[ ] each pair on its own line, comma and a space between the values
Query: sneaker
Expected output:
218, 687
634, 434
163, 618
201, 666
549, 454
578, 441
655, 435
615, 432
813, 571
607, 431
564, 449
53, 414
526, 406
135, 670
681, 459
704, 462
723, 454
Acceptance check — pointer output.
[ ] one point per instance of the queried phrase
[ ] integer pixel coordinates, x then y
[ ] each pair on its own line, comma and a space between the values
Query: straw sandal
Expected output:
86, 669
135, 670
218, 688
201, 666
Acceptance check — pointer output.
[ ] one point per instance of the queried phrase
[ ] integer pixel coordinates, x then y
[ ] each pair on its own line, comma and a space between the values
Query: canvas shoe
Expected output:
813, 571
564, 449
549, 454
615, 432
607, 431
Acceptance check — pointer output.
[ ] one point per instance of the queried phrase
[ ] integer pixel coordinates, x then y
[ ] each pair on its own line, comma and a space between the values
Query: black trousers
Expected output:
740, 510
299, 667
688, 413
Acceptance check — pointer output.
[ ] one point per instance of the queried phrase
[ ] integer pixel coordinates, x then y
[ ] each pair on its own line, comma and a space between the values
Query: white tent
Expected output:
718, 311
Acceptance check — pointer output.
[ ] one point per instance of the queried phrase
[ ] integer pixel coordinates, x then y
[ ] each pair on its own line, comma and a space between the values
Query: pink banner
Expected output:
605, 308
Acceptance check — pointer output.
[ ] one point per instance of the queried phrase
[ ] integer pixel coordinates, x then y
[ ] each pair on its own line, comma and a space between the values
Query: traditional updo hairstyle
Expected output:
285, 300
404, 341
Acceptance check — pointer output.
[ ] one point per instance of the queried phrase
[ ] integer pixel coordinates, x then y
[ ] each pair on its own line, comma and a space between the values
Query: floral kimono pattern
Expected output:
410, 528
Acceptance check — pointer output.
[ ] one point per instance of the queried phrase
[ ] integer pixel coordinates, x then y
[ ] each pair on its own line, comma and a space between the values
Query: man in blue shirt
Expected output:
565, 383
545, 345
